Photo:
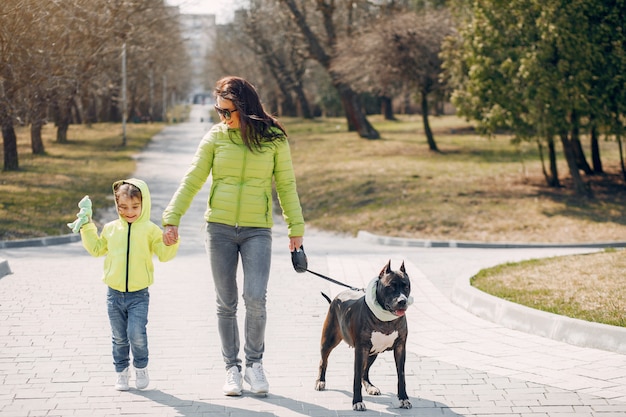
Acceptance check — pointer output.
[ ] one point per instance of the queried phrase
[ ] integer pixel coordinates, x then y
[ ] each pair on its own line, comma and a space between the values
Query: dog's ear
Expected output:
402, 268
385, 270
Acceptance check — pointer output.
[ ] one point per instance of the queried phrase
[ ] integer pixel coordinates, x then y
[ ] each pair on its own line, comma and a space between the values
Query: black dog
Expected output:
371, 324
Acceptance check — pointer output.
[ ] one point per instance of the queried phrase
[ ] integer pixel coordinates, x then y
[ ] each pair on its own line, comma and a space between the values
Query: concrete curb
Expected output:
553, 326
426, 243
36, 242
42, 241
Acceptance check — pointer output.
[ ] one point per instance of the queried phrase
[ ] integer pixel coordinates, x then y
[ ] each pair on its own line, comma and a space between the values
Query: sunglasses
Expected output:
225, 113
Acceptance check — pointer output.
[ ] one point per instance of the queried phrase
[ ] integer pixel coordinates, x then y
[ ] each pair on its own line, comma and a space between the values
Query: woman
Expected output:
244, 153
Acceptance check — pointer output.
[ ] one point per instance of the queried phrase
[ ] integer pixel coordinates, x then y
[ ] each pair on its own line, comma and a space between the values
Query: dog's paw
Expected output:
320, 385
405, 404
371, 389
360, 406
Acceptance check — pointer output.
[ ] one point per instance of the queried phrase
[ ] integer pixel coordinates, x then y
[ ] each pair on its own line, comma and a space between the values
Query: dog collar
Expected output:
370, 299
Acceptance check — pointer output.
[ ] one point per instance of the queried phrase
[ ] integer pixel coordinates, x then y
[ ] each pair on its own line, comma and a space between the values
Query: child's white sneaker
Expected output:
234, 382
122, 381
142, 379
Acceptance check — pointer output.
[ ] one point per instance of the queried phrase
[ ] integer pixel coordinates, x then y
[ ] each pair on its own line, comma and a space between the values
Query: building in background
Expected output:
199, 32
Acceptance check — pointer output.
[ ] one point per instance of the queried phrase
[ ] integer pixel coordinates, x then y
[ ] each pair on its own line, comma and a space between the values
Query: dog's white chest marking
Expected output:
382, 342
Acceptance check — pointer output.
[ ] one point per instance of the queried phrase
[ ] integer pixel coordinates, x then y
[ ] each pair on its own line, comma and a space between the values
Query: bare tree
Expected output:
402, 51
285, 60
321, 47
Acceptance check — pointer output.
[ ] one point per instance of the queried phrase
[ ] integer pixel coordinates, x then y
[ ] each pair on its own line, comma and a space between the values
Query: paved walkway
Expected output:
55, 339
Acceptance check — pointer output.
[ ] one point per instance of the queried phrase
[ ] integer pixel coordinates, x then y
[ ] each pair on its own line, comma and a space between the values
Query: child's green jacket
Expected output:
129, 247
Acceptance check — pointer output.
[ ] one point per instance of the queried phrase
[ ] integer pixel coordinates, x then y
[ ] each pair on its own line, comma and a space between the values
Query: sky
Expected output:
222, 9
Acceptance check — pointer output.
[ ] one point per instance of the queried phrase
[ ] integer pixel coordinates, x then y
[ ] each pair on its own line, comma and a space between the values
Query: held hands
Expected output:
84, 215
170, 235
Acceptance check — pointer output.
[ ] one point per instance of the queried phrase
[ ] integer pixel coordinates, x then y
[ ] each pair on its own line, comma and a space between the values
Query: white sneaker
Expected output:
122, 381
143, 380
256, 378
234, 383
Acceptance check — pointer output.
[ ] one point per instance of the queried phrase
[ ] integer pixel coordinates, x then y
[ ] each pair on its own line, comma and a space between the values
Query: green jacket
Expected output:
129, 247
241, 187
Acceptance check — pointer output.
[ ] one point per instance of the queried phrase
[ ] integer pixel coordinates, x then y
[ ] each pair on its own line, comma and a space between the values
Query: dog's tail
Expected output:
326, 297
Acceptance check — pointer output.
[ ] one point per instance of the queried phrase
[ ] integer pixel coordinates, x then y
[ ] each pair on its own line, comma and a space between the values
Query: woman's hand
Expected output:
170, 235
295, 242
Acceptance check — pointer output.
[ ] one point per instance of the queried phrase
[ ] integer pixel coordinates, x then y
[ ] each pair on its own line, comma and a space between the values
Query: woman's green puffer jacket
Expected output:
241, 187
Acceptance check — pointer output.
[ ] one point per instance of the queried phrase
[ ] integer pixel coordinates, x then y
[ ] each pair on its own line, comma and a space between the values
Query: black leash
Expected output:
334, 281
300, 264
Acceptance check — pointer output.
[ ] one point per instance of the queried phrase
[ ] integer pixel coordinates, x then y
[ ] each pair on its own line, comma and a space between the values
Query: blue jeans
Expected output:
128, 314
225, 244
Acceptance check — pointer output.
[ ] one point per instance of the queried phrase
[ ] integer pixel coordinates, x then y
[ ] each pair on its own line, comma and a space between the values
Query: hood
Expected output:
145, 197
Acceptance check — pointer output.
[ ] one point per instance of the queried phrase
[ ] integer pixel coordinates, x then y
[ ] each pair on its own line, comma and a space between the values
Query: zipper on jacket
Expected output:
243, 170
128, 255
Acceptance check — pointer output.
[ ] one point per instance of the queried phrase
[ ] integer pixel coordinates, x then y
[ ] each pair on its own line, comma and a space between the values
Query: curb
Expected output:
427, 243
541, 323
36, 242
42, 241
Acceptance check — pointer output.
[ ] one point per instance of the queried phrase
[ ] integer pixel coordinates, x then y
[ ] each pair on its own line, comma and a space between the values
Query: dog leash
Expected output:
300, 264
334, 281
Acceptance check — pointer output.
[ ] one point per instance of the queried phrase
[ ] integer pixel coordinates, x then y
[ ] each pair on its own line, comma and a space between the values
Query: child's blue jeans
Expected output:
128, 314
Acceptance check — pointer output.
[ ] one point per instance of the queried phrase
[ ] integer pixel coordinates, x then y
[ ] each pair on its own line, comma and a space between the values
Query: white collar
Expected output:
370, 299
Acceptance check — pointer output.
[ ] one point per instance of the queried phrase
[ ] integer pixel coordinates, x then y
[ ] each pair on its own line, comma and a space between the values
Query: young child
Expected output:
129, 244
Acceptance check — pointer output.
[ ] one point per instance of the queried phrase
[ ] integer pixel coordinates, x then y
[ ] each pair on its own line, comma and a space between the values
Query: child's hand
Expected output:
170, 235
83, 216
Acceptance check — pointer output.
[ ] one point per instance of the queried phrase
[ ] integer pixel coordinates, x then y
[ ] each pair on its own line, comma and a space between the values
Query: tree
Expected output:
403, 53
284, 60
323, 50
529, 66
17, 52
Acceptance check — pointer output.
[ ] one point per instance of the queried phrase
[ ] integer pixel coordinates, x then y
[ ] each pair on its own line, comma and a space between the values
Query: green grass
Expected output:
40, 198
475, 189
587, 287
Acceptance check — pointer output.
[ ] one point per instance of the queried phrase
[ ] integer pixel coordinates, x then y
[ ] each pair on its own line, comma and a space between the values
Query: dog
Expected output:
371, 323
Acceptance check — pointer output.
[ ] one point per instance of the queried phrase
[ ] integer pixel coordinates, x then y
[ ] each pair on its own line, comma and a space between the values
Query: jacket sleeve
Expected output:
286, 189
163, 252
192, 182
94, 244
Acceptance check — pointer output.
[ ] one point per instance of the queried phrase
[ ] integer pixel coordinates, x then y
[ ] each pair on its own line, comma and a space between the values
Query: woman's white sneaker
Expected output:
256, 378
234, 382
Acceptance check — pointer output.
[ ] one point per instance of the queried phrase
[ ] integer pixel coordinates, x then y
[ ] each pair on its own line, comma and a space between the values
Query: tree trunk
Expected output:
9, 141
36, 143
596, 161
38, 116
621, 155
62, 120
580, 187
579, 154
303, 103
357, 122
386, 108
432, 145
554, 170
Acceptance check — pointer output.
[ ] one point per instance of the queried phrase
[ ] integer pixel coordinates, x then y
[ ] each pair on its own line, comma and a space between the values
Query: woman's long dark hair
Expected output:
255, 124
